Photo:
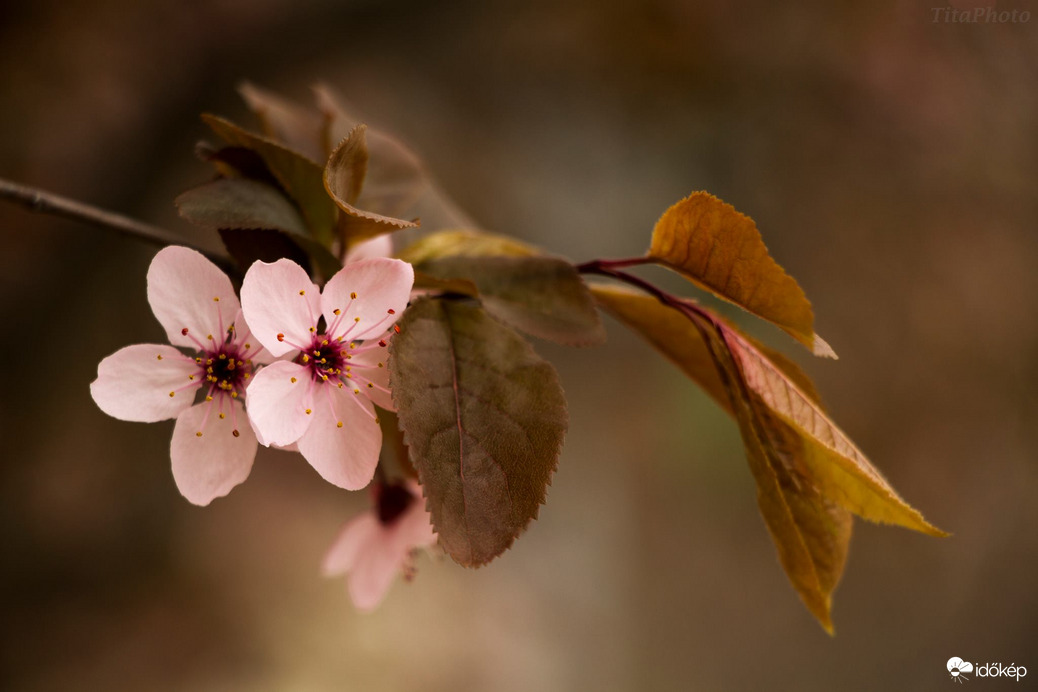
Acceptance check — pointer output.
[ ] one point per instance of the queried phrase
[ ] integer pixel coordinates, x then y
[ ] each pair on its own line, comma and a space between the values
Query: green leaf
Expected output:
484, 418
464, 243
542, 296
721, 250
301, 178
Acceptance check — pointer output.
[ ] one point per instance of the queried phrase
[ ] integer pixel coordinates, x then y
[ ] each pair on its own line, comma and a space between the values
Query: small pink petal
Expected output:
209, 466
186, 290
381, 285
135, 382
277, 400
365, 365
280, 298
345, 456
352, 543
379, 246
374, 573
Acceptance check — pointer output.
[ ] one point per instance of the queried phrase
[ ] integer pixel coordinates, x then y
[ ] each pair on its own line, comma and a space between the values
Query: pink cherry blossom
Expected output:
213, 445
374, 546
322, 399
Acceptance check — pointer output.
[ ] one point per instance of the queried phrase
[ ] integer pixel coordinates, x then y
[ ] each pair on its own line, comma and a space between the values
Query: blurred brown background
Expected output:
891, 163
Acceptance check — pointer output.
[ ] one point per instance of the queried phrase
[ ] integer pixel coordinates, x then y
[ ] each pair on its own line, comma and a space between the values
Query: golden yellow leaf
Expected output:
839, 469
721, 250
465, 243
675, 337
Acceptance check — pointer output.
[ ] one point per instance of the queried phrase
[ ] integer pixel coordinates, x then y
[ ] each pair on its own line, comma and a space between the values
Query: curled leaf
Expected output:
721, 250
343, 179
483, 417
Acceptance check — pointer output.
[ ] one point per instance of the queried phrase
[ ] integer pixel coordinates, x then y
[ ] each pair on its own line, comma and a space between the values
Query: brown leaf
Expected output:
484, 418
301, 178
719, 249
282, 120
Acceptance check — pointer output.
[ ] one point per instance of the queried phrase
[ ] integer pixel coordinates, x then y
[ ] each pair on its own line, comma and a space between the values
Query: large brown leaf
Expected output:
719, 249
286, 121
484, 418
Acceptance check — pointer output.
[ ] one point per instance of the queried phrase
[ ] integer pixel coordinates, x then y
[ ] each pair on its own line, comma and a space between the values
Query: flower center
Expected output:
326, 358
393, 500
226, 368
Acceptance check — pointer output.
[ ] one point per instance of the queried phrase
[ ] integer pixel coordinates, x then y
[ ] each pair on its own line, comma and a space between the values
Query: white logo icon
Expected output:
958, 668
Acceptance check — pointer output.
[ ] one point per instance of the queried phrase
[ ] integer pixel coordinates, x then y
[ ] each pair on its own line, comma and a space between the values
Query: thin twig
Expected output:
44, 202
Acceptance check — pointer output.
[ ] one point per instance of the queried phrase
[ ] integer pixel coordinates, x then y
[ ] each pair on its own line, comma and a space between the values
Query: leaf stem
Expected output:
37, 200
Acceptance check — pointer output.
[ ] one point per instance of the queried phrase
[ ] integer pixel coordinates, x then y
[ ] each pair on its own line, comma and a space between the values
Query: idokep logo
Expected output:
959, 669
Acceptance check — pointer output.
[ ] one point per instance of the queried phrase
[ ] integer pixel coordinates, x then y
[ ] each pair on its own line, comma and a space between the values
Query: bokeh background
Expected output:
891, 163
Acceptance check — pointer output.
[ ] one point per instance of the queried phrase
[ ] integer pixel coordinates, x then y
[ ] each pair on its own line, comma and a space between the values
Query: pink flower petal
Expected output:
353, 541
365, 365
280, 298
380, 285
374, 573
277, 400
135, 382
345, 456
207, 467
183, 288
379, 246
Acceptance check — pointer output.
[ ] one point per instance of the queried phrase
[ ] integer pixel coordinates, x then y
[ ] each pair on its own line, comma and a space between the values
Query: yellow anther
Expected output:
381, 365
317, 353
172, 394
336, 311
340, 385
370, 386
324, 378
223, 356
356, 391
216, 299
306, 358
246, 376
159, 357
338, 424
356, 319
325, 342
235, 433
198, 434
210, 337
248, 346
302, 293
313, 329
353, 344
293, 380
353, 295
308, 412
234, 395
208, 398
222, 416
